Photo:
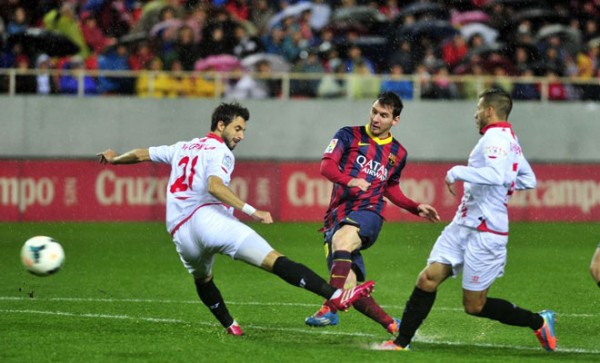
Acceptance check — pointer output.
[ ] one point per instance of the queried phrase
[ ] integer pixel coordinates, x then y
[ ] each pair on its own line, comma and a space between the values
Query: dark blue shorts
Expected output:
369, 225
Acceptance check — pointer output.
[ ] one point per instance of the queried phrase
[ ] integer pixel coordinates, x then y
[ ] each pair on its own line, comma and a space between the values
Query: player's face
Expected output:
381, 120
480, 115
234, 132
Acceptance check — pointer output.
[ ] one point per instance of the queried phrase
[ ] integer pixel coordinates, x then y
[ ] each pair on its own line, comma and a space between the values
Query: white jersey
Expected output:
495, 169
192, 162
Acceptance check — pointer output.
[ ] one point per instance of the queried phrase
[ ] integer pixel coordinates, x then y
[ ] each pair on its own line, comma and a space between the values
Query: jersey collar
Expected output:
503, 124
212, 135
379, 141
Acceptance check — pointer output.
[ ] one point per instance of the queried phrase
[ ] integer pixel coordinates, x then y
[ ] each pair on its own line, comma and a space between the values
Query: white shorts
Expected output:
480, 255
214, 230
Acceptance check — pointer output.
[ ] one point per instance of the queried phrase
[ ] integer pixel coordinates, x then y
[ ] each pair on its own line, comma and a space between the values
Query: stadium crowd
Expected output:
239, 48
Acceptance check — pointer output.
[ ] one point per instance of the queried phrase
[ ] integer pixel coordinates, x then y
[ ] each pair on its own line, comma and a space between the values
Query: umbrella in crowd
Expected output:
277, 63
488, 33
419, 9
538, 15
292, 10
435, 29
358, 14
219, 63
570, 38
161, 27
468, 17
35, 40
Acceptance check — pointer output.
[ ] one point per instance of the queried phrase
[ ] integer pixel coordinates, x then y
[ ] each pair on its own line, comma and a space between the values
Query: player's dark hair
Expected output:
391, 99
499, 99
226, 112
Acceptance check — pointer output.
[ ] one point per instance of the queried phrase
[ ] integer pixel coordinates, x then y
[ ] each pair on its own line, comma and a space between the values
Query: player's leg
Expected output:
256, 251
445, 260
199, 263
485, 258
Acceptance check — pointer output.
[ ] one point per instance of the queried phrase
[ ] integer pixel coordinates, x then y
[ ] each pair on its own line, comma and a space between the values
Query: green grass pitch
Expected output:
123, 296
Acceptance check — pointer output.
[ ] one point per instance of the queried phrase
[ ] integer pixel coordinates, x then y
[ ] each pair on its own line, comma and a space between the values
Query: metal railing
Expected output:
462, 87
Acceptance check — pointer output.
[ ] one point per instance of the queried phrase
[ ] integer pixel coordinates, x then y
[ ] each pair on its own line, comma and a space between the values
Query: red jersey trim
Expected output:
504, 124
484, 228
191, 214
212, 135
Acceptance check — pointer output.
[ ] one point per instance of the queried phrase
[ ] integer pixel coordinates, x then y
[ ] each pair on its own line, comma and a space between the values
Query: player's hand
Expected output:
107, 156
451, 186
359, 183
427, 211
263, 216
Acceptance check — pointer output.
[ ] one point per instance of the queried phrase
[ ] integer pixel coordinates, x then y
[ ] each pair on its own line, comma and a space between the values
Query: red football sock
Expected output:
370, 308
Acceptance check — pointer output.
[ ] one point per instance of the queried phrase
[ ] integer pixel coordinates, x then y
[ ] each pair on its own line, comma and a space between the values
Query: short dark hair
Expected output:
499, 99
226, 112
391, 99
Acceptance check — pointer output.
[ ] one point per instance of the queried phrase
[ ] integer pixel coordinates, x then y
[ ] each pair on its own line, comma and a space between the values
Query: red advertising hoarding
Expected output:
86, 191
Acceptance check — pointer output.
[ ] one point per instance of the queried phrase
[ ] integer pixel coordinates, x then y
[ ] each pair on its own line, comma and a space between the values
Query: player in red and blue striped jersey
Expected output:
365, 164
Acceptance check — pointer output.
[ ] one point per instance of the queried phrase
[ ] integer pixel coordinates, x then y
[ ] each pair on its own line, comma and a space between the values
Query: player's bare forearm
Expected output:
131, 157
223, 193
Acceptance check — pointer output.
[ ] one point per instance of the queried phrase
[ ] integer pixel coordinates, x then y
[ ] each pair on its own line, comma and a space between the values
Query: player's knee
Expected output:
473, 307
346, 239
426, 282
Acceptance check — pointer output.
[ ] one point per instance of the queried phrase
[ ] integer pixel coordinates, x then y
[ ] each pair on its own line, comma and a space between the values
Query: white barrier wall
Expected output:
32, 127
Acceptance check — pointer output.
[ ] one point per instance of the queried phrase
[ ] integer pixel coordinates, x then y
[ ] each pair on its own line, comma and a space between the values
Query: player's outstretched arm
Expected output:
222, 192
429, 212
131, 157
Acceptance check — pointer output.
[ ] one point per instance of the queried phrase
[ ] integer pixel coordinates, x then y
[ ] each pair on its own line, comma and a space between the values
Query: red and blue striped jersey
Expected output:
358, 154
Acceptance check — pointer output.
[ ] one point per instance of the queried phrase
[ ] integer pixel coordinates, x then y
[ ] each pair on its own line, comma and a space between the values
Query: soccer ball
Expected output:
42, 256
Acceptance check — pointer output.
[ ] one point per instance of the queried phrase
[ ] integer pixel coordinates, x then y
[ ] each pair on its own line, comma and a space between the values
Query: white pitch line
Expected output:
248, 303
419, 338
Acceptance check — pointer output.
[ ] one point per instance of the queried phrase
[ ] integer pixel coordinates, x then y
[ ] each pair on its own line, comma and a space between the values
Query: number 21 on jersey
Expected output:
186, 168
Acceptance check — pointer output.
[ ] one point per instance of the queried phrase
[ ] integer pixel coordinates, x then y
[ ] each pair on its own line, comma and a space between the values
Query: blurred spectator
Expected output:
501, 80
239, 10
293, 45
309, 63
454, 50
245, 44
273, 41
185, 49
204, 85
215, 43
65, 21
244, 86
153, 81
93, 35
260, 15
45, 83
333, 83
590, 29
588, 63
443, 87
354, 57
404, 57
390, 9
69, 81
526, 88
114, 59
140, 56
363, 83
181, 85
397, 82
18, 23
25, 82
473, 84
113, 16
265, 79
